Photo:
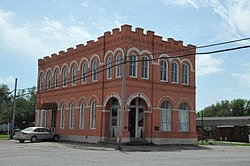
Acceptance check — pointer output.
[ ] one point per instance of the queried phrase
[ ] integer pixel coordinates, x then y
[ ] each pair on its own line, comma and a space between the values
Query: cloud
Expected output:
206, 64
84, 4
7, 80
185, 3
243, 77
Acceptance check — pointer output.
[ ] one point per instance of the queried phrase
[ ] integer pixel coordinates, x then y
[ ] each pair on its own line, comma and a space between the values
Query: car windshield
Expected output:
28, 129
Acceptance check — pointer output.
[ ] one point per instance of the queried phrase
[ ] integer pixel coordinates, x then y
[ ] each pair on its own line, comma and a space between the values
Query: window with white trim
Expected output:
56, 78
65, 76
145, 67
95, 70
163, 70
39, 115
109, 67
46, 117
166, 116
84, 73
133, 65
81, 117
93, 115
184, 118
175, 72
118, 65
73, 72
71, 115
48, 80
185, 74
62, 117
41, 81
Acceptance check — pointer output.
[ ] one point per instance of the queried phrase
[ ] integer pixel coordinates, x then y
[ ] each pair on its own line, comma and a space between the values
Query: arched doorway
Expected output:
114, 108
136, 118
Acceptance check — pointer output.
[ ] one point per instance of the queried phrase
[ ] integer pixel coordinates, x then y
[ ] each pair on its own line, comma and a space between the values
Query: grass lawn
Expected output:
4, 136
236, 143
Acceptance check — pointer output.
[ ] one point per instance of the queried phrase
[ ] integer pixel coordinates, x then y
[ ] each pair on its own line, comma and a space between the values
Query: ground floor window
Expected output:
166, 116
62, 117
184, 118
93, 115
46, 118
81, 117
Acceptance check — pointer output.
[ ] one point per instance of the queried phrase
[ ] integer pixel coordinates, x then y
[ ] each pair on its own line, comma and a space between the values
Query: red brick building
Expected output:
80, 90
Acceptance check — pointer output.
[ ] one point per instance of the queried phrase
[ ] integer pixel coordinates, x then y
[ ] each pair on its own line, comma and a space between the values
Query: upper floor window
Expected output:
81, 117
62, 116
73, 75
175, 72
56, 78
93, 115
95, 70
145, 67
164, 70
133, 65
41, 83
84, 73
184, 118
166, 116
49, 80
118, 65
65, 76
185, 74
71, 115
109, 67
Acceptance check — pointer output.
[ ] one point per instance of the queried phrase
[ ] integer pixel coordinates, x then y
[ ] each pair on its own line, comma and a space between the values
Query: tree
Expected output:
5, 104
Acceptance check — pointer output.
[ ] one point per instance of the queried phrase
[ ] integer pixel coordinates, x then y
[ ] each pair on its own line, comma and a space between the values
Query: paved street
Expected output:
67, 154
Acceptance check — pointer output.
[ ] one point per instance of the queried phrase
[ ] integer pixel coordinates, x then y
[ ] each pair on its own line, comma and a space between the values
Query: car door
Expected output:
47, 134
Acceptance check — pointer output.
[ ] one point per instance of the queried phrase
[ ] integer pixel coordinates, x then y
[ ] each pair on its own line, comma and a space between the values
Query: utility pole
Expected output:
123, 100
13, 112
202, 127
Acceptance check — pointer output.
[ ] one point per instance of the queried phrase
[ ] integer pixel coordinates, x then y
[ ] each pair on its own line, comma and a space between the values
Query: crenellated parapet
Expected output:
117, 38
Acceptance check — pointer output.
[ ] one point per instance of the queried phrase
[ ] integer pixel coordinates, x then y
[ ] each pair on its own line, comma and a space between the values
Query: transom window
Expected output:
84, 72
95, 70
118, 65
175, 72
185, 74
145, 67
73, 75
166, 116
164, 70
184, 118
93, 115
133, 65
109, 67
71, 115
49, 80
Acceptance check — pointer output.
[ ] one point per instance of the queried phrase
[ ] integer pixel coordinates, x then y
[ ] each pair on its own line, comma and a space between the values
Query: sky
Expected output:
32, 29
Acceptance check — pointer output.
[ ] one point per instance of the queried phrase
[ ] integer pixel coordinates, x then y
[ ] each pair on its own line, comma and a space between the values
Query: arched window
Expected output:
84, 73
65, 76
93, 115
73, 72
145, 67
118, 65
175, 72
133, 65
184, 118
185, 74
166, 116
95, 70
81, 117
71, 115
62, 117
164, 70
109, 67
41, 81
56, 78
49, 80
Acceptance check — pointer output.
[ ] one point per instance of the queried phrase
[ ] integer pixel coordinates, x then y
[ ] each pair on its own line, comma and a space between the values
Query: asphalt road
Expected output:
13, 153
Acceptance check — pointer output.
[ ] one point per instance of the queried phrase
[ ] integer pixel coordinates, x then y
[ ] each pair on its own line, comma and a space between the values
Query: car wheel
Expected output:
33, 139
21, 141
55, 138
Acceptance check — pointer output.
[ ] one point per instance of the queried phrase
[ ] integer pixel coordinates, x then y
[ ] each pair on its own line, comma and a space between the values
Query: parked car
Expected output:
34, 134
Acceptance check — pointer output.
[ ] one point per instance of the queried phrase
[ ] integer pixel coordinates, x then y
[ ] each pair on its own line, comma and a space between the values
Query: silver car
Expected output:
34, 134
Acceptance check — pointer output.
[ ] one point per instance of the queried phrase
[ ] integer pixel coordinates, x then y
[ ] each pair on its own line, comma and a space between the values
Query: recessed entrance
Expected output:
114, 117
136, 118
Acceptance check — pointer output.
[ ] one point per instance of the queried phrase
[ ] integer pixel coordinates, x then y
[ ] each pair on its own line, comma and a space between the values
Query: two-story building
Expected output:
80, 91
